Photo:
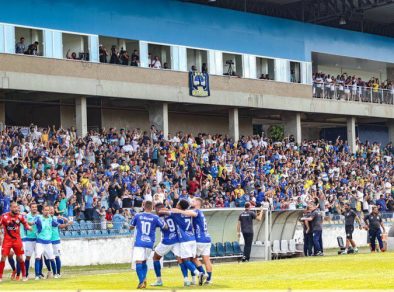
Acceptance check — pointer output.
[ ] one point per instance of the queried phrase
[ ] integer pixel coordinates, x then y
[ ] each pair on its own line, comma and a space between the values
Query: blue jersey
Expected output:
201, 228
169, 235
145, 229
184, 226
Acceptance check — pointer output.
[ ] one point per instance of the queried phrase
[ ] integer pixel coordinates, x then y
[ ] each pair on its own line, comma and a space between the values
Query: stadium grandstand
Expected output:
284, 107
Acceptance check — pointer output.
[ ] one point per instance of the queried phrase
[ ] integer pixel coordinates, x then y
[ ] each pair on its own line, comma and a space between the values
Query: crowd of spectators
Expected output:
348, 87
106, 175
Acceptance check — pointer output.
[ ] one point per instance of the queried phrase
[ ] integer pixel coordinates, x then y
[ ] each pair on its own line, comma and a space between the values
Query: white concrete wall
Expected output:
119, 118
195, 123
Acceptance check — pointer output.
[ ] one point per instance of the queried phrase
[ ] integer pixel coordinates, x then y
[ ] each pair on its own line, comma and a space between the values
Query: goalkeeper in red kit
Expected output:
12, 239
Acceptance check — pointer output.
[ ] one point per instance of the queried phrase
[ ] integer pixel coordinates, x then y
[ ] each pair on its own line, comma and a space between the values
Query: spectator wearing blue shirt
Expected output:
118, 220
381, 203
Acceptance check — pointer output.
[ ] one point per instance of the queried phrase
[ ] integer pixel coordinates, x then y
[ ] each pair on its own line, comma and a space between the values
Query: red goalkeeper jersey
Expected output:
11, 226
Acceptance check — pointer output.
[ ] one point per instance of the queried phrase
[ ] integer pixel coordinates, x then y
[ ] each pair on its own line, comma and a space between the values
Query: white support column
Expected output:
183, 59
252, 67
215, 62
174, 52
158, 116
282, 70
93, 43
390, 125
246, 66
306, 72
81, 116
292, 125
351, 133
48, 43
233, 125
144, 54
7, 39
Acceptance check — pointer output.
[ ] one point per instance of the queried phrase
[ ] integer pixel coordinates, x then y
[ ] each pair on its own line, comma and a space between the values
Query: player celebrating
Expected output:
350, 217
12, 239
44, 225
55, 239
145, 224
30, 238
169, 242
187, 239
203, 239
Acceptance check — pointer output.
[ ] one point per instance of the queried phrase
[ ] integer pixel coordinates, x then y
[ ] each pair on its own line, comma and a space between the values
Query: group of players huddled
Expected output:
184, 232
28, 234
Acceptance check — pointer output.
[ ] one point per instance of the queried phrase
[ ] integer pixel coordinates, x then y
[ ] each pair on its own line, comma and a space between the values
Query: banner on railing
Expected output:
199, 84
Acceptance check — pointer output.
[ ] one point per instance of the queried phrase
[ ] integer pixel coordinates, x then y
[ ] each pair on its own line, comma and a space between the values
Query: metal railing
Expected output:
353, 93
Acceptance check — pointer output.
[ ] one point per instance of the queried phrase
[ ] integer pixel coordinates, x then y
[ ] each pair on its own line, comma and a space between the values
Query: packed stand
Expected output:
105, 176
346, 87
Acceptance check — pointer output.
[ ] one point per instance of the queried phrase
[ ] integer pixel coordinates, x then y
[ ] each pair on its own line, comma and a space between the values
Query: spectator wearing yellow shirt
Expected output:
124, 167
239, 191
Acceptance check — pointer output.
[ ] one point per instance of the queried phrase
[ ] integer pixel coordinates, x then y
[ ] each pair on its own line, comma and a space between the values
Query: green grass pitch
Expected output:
361, 271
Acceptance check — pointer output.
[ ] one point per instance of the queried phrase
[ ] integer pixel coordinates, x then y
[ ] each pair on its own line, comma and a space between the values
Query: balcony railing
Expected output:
353, 93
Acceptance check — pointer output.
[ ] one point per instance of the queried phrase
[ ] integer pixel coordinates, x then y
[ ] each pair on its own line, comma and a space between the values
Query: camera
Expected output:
229, 62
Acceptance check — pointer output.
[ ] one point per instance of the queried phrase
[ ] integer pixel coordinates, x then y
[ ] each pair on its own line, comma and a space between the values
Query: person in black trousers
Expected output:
245, 225
308, 234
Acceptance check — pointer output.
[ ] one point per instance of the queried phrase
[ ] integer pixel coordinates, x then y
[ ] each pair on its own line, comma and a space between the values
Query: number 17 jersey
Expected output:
145, 229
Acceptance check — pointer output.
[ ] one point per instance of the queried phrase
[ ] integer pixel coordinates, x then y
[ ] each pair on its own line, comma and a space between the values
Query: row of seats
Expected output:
218, 250
93, 233
83, 225
284, 249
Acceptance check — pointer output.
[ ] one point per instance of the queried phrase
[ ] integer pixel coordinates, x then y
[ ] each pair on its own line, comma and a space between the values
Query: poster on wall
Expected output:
199, 84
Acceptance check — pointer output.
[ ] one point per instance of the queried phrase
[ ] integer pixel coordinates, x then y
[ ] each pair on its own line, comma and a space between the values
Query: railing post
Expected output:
371, 94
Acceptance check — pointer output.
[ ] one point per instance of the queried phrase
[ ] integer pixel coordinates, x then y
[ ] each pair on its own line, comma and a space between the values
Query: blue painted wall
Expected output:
175, 22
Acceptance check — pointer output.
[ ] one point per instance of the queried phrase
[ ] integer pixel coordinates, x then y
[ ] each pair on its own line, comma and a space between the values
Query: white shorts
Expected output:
187, 249
141, 254
44, 249
57, 248
29, 247
163, 249
203, 249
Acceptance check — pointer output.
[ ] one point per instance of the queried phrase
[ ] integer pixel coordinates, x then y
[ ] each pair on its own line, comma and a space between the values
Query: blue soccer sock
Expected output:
201, 269
58, 265
48, 264
41, 265
18, 269
183, 269
191, 267
53, 265
140, 272
157, 266
11, 261
209, 276
145, 269
27, 266
37, 267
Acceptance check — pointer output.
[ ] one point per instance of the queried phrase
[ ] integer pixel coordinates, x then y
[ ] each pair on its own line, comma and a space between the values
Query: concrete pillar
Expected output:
143, 54
233, 124
351, 133
292, 126
282, 70
158, 116
81, 116
390, 125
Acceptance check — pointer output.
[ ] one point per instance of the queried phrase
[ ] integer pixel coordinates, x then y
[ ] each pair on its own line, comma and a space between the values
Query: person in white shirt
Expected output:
156, 64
